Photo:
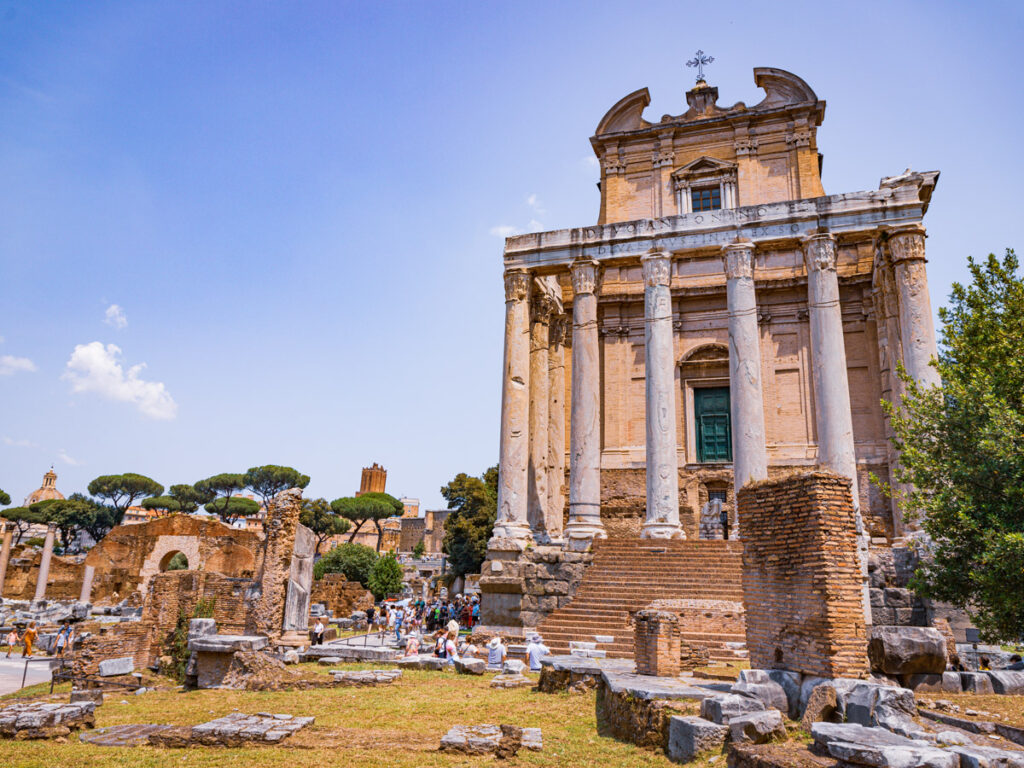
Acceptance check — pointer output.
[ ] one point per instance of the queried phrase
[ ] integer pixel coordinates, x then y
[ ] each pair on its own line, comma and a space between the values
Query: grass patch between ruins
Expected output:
398, 725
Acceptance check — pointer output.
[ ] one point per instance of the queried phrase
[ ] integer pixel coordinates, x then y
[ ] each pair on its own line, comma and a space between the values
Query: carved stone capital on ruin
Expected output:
517, 285
738, 260
613, 162
820, 252
907, 244
584, 276
541, 308
799, 138
559, 330
662, 158
745, 147
657, 268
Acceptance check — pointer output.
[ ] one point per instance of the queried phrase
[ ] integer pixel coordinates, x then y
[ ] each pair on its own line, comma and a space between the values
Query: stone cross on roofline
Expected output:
700, 61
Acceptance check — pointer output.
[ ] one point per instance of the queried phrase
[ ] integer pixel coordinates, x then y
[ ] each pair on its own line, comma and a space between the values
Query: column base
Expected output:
578, 537
661, 531
510, 538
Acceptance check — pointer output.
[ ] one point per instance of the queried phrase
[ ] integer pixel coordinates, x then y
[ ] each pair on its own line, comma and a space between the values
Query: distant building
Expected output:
373, 480
47, 491
410, 507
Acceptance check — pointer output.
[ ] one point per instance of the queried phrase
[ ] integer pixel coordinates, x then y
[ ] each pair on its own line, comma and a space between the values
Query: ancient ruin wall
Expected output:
801, 579
64, 583
341, 596
270, 591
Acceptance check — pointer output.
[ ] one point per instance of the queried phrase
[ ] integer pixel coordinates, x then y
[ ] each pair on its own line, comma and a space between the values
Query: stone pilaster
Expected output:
6, 536
662, 519
538, 498
833, 416
513, 459
556, 426
85, 596
917, 329
750, 457
585, 414
44, 563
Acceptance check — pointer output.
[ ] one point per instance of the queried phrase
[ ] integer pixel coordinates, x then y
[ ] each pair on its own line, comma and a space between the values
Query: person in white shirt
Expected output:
496, 653
318, 632
450, 649
535, 651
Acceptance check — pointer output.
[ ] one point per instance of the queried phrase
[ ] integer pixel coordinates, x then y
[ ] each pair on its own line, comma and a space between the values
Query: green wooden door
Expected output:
714, 431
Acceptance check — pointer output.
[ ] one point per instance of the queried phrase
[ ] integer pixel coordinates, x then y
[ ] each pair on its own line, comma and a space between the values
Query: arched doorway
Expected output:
174, 561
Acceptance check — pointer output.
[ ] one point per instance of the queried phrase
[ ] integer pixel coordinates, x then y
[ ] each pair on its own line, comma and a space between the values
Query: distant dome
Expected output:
47, 491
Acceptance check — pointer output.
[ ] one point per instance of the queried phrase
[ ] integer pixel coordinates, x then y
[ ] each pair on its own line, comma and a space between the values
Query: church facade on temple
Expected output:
725, 320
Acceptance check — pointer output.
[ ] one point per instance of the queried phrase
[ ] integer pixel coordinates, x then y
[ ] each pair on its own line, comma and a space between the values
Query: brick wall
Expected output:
656, 648
801, 579
64, 582
339, 595
412, 533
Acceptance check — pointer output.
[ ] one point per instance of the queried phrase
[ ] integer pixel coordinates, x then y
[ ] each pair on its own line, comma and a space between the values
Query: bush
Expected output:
385, 577
418, 550
354, 560
35, 541
179, 563
178, 643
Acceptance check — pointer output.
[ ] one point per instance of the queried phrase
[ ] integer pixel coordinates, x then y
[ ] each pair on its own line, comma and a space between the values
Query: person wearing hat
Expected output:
496, 653
535, 651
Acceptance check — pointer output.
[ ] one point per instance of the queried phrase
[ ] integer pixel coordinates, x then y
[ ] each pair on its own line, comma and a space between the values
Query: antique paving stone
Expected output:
131, 735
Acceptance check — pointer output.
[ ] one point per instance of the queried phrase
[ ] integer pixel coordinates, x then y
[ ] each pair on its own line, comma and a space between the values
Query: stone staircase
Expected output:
629, 574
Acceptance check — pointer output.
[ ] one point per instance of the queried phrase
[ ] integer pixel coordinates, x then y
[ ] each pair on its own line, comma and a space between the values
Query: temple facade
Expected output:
724, 321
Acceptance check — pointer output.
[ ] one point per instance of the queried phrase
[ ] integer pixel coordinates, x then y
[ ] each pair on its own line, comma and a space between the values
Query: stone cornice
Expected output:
775, 224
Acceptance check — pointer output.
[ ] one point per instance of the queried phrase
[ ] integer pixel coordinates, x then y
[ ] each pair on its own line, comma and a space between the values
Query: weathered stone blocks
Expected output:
689, 737
656, 648
721, 709
907, 650
45, 720
757, 727
503, 741
124, 665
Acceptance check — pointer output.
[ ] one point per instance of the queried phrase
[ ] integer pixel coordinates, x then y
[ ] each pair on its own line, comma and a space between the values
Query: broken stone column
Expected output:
556, 428
6, 535
537, 496
514, 451
281, 586
44, 563
86, 594
662, 519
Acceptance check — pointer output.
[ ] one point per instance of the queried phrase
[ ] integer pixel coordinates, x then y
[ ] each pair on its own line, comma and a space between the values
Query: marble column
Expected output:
514, 451
833, 416
537, 473
662, 518
750, 456
917, 329
86, 594
6, 536
585, 410
556, 427
44, 563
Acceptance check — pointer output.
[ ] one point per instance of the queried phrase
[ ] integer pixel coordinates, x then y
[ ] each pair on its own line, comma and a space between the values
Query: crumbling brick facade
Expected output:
656, 648
341, 596
802, 584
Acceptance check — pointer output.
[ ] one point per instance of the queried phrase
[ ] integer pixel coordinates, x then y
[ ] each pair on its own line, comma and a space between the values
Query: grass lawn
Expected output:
399, 726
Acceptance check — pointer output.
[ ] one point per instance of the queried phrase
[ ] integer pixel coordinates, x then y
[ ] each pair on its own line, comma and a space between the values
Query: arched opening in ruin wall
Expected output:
160, 556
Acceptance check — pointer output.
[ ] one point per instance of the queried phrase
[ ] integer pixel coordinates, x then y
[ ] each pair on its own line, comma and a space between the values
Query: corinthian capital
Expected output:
584, 276
907, 244
738, 260
657, 268
517, 285
820, 252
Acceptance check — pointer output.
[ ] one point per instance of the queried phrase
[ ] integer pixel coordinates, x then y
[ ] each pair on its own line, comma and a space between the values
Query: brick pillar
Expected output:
6, 535
656, 648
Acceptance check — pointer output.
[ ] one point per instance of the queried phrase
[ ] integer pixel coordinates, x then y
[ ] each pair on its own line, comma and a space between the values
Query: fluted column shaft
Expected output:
6, 536
513, 458
833, 416
585, 409
85, 596
537, 474
917, 329
750, 456
44, 563
662, 518
556, 427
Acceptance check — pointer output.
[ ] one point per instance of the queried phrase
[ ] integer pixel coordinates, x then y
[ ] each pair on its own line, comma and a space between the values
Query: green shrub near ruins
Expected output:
473, 502
419, 550
318, 516
385, 577
355, 561
177, 646
962, 449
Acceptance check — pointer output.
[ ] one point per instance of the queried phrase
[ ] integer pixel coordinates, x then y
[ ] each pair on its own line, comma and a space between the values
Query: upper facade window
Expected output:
706, 184
706, 198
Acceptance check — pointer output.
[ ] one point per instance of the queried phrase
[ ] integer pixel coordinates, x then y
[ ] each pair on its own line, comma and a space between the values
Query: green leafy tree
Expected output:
23, 518
121, 491
385, 577
318, 516
419, 549
473, 502
178, 562
5, 498
217, 491
369, 507
76, 514
233, 508
188, 498
961, 448
354, 560
269, 480
161, 504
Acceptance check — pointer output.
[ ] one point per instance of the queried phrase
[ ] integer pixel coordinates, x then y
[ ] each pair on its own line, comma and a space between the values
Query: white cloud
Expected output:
534, 226
534, 202
18, 443
10, 365
95, 368
505, 230
115, 316
69, 460
590, 162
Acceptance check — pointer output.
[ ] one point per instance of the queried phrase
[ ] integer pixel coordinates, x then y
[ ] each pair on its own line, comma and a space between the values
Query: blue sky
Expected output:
295, 209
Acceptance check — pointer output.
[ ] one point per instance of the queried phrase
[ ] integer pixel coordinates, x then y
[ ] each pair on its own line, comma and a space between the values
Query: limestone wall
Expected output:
64, 583
801, 578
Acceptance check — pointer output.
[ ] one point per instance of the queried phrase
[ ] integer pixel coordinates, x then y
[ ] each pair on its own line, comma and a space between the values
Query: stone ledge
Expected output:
227, 643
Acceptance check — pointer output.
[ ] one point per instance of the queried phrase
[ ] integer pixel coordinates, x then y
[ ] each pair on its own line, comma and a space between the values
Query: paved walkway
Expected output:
13, 668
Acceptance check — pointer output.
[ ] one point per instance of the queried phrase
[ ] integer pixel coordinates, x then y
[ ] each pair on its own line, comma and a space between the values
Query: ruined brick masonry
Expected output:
801, 579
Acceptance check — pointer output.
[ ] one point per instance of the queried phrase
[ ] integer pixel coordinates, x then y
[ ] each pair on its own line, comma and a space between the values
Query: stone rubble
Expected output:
345, 677
503, 741
45, 720
234, 730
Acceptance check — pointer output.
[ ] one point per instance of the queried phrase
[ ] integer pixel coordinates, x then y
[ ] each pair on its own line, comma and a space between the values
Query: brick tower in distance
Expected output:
373, 479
